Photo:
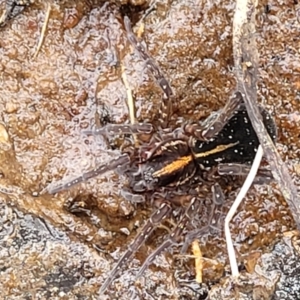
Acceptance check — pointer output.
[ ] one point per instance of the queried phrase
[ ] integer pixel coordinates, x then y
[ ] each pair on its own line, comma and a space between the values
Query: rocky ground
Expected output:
48, 98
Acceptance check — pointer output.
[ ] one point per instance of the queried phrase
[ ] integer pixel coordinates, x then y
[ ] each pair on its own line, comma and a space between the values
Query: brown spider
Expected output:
226, 141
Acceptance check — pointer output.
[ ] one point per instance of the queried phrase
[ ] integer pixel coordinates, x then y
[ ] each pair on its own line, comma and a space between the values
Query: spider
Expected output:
226, 141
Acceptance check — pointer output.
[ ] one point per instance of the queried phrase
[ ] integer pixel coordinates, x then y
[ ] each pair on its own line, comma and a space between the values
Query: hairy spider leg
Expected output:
156, 218
217, 194
218, 200
263, 176
175, 236
214, 124
112, 165
150, 63
238, 169
153, 68
113, 129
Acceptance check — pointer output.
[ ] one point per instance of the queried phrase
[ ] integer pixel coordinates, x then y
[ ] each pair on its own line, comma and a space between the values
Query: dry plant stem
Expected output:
246, 67
141, 30
198, 260
129, 96
246, 186
44, 28
2, 17
130, 102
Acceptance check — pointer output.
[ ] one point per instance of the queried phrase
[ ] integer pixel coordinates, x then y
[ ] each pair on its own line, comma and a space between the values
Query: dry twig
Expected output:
44, 28
246, 68
198, 260
130, 101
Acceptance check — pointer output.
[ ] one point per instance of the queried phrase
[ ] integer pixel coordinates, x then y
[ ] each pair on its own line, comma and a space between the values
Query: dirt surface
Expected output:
73, 83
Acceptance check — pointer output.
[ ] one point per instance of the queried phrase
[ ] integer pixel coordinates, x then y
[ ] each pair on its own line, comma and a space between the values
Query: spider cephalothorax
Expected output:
227, 139
171, 163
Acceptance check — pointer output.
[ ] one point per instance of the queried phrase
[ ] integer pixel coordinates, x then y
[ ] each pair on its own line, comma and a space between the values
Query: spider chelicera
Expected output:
226, 141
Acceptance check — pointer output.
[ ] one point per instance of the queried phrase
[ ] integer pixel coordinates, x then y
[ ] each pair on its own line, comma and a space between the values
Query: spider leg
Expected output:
160, 214
263, 176
113, 129
217, 194
112, 165
175, 236
152, 66
131, 197
216, 122
218, 200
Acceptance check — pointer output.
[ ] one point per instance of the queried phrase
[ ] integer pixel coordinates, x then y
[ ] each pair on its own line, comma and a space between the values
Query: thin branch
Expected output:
198, 260
246, 68
44, 28
130, 101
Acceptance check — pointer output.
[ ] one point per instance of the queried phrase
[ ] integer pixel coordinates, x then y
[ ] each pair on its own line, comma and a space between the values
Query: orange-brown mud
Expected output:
46, 102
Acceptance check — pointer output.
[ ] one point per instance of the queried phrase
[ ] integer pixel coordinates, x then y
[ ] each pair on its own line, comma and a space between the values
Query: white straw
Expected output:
234, 207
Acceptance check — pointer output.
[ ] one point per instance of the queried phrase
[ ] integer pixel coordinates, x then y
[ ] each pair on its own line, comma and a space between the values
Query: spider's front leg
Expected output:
154, 69
156, 218
214, 124
121, 162
113, 129
114, 164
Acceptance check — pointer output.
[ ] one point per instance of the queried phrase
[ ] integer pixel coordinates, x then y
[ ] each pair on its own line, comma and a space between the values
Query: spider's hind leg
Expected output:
213, 218
214, 124
263, 176
175, 236
156, 218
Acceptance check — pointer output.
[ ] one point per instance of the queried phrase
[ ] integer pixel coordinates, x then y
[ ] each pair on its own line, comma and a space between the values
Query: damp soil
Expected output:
63, 246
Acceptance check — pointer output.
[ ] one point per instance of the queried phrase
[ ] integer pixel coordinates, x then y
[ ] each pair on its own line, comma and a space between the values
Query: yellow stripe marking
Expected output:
217, 149
178, 164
